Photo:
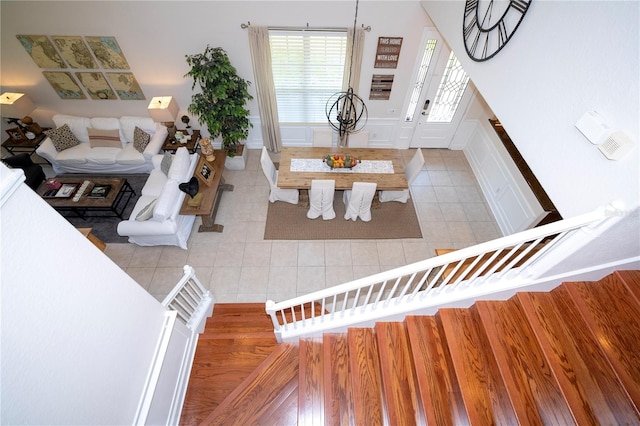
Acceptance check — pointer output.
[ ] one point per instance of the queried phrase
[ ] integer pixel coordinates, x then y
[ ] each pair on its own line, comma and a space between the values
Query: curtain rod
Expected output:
307, 28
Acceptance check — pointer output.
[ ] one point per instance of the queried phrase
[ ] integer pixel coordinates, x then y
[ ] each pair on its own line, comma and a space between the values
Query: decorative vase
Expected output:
207, 150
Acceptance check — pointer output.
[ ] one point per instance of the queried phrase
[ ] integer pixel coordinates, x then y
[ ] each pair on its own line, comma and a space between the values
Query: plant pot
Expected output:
239, 160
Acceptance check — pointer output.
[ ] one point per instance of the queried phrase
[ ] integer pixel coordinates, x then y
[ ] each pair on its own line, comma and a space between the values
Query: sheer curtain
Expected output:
266, 94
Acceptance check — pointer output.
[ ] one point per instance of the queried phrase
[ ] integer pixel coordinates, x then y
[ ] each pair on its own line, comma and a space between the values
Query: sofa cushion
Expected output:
147, 211
154, 184
103, 155
130, 155
104, 138
78, 125
167, 201
74, 155
129, 123
62, 138
180, 165
140, 139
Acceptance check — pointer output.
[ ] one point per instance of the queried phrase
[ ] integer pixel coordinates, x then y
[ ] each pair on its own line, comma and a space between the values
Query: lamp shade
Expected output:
15, 105
163, 109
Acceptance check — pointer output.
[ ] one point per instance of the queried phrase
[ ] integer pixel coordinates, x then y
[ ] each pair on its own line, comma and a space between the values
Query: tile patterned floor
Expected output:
238, 265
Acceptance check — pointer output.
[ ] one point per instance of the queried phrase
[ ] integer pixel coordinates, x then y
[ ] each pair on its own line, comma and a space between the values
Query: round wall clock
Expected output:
489, 25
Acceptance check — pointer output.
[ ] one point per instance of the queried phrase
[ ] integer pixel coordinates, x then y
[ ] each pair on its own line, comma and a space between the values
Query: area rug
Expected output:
106, 228
390, 220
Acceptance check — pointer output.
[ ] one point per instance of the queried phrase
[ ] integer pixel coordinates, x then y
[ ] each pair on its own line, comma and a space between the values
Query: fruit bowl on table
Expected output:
340, 161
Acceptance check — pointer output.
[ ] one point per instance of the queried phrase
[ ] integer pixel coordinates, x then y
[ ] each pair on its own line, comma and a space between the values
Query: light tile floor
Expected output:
238, 265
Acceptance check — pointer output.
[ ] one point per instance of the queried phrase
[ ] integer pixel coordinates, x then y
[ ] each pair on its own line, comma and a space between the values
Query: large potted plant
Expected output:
221, 103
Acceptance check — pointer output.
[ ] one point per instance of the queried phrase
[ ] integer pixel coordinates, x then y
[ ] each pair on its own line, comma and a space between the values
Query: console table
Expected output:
211, 195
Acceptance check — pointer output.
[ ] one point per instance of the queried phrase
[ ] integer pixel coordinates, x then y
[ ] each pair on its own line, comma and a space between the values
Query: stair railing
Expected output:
421, 287
192, 302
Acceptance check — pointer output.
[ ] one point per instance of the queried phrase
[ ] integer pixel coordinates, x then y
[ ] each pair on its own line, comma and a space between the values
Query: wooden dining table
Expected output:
344, 179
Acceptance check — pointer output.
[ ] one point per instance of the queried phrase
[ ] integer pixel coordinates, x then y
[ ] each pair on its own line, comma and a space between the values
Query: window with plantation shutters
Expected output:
308, 68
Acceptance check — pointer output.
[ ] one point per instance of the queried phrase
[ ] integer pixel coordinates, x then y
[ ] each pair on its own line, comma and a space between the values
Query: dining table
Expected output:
382, 166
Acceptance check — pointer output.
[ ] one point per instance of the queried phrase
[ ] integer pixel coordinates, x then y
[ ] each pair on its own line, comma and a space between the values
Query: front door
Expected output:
439, 97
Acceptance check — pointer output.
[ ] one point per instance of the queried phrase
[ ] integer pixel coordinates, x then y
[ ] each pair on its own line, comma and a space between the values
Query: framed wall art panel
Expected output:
41, 50
74, 51
108, 52
126, 86
64, 84
96, 85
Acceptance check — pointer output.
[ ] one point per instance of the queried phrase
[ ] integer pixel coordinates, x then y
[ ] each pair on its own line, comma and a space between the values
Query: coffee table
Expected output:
114, 203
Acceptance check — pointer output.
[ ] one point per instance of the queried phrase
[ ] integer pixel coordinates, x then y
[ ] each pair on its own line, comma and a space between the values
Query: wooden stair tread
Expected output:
338, 401
484, 393
590, 386
366, 377
310, 383
439, 389
612, 313
270, 383
398, 374
534, 393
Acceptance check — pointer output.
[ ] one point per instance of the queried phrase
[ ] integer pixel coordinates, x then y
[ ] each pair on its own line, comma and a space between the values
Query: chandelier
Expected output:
346, 111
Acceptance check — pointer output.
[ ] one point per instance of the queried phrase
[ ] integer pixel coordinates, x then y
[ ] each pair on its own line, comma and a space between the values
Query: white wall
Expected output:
567, 58
78, 334
155, 36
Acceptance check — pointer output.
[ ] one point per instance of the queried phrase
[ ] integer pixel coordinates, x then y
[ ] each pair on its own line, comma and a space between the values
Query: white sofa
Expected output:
83, 158
161, 224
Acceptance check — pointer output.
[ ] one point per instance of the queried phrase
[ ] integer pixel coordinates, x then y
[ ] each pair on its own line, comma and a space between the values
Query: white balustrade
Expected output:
498, 265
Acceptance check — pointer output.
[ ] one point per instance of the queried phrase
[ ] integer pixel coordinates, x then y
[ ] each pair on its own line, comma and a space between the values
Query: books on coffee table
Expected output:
99, 191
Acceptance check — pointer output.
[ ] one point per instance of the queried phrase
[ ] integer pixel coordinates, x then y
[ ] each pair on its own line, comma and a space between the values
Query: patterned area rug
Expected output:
105, 228
390, 220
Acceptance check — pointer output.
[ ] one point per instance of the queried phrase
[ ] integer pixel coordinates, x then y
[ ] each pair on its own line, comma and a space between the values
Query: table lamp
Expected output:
164, 109
14, 106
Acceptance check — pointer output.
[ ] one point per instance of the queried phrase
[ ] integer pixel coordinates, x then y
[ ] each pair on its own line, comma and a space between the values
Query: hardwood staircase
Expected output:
569, 356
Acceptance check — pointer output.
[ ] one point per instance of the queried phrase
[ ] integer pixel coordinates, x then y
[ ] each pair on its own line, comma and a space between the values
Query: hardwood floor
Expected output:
568, 356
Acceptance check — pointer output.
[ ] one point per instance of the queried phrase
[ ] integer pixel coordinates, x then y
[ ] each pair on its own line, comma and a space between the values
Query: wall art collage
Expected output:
73, 63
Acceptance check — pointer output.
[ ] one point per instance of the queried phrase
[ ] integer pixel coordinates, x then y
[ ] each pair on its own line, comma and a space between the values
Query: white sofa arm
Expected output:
132, 227
155, 144
47, 151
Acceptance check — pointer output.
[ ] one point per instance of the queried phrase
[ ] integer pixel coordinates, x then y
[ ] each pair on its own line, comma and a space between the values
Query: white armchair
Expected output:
411, 170
277, 194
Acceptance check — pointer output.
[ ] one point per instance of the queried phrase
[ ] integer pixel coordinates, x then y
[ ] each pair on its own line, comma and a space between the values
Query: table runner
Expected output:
365, 166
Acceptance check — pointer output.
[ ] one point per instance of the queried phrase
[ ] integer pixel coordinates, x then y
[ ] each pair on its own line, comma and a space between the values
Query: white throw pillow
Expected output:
179, 165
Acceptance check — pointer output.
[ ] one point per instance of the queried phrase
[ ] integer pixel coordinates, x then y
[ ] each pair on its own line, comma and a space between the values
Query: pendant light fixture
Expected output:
346, 111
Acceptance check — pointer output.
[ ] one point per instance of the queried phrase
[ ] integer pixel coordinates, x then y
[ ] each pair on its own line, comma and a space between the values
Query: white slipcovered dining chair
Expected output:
359, 140
357, 201
322, 138
321, 199
277, 194
411, 170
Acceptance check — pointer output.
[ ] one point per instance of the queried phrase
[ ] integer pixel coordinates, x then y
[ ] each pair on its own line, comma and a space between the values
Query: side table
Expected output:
192, 145
28, 146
